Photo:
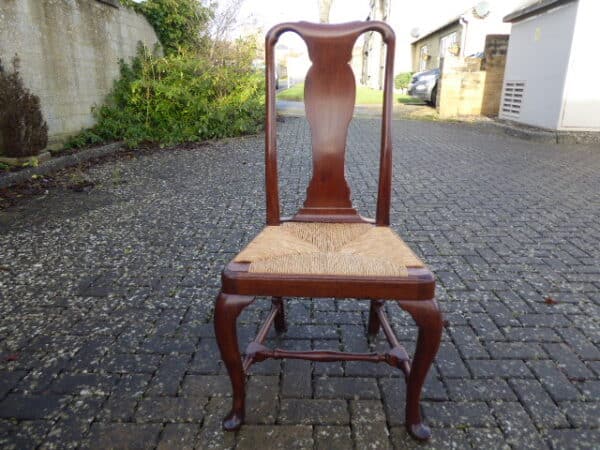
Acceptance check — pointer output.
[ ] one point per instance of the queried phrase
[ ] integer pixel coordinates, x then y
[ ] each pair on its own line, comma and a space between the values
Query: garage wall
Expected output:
538, 55
581, 108
69, 52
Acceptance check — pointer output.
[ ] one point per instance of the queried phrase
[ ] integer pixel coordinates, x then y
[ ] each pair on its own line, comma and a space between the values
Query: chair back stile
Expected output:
329, 96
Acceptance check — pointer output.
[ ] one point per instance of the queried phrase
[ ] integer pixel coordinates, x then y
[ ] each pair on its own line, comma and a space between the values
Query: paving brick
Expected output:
487, 438
24, 435
74, 423
31, 407
118, 409
131, 363
347, 387
544, 320
312, 332
168, 377
515, 350
177, 435
582, 414
206, 386
441, 438
484, 390
368, 369
123, 436
458, 414
314, 412
207, 358
434, 388
164, 345
568, 361
212, 436
591, 389
332, 437
516, 425
510, 368
580, 343
84, 383
9, 379
354, 339
262, 399
532, 334
573, 439
539, 404
485, 327
394, 400
554, 380
297, 374
468, 343
449, 362
280, 438
368, 424
501, 314
170, 409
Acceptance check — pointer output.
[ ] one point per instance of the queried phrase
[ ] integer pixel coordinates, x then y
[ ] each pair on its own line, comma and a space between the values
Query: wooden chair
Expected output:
327, 249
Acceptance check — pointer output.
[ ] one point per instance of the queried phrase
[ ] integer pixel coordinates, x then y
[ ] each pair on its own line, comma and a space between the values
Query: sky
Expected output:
424, 14
406, 15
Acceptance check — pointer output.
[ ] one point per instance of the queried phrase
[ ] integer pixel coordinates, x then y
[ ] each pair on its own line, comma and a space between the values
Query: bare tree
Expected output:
224, 21
324, 8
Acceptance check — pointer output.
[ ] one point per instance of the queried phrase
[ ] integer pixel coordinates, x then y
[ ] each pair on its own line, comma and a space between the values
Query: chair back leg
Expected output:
280, 323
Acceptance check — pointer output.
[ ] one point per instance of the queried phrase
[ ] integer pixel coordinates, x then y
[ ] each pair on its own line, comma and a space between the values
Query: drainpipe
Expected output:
463, 35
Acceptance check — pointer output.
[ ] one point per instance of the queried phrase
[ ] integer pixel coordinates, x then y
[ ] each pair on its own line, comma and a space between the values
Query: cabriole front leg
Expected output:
227, 309
429, 321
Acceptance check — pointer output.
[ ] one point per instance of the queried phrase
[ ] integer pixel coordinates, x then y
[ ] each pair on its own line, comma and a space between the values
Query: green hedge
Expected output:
178, 23
177, 98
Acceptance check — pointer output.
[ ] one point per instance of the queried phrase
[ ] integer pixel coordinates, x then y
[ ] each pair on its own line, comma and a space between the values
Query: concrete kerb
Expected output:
547, 136
58, 163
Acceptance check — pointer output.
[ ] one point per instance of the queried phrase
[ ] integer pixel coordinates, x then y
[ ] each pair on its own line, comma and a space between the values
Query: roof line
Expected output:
535, 8
441, 27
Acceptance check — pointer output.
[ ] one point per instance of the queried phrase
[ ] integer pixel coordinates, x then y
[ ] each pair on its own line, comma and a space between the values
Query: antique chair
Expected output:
327, 249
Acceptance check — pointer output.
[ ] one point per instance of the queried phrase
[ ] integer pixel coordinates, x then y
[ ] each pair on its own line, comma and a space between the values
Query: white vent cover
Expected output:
512, 98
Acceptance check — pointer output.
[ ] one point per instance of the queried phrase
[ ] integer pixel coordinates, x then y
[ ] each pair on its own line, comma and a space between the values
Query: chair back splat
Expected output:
329, 96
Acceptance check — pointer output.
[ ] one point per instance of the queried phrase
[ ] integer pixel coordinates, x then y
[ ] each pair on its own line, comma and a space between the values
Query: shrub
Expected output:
402, 79
178, 23
23, 131
179, 97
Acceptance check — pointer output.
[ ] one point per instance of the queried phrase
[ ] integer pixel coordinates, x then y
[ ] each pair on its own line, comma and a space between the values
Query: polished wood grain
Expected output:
330, 91
329, 100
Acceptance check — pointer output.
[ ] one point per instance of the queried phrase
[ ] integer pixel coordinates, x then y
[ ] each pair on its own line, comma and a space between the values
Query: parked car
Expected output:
424, 85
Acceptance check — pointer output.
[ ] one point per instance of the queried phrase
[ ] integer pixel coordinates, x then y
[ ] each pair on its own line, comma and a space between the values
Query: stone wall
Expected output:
473, 86
494, 62
69, 52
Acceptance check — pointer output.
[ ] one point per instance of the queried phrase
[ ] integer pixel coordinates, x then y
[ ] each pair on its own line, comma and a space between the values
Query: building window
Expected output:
423, 57
447, 42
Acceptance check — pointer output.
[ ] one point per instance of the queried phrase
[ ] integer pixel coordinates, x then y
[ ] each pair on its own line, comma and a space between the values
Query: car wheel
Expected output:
433, 100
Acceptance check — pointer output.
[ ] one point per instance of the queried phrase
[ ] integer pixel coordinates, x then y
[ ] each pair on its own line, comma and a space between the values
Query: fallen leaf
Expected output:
550, 301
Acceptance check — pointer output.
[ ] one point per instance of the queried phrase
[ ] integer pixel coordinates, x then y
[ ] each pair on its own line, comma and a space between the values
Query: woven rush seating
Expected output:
357, 249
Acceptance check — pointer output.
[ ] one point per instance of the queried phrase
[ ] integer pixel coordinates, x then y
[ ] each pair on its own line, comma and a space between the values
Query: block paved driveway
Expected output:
106, 298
